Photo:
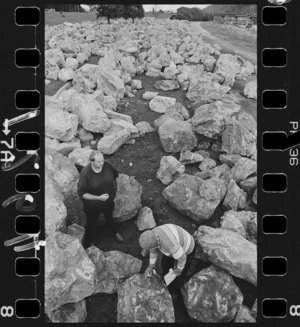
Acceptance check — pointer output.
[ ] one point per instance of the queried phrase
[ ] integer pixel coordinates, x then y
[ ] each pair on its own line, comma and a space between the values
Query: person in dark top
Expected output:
97, 190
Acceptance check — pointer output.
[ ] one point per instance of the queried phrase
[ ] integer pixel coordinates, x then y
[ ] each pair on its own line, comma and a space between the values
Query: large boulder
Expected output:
69, 313
228, 67
194, 197
71, 63
55, 210
110, 83
178, 108
241, 222
59, 124
169, 170
128, 66
61, 169
66, 74
229, 159
55, 57
144, 299
163, 118
144, 128
249, 185
84, 135
243, 169
76, 231
111, 143
149, 95
212, 296
112, 269
240, 135
176, 136
229, 251
69, 273
235, 197
188, 157
160, 104
128, 198
211, 119
206, 88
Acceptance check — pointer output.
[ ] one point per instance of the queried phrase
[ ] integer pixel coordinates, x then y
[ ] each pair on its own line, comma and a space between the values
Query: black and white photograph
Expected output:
150, 163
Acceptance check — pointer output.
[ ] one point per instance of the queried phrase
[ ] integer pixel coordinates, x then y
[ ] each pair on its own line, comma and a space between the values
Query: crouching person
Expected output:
178, 247
97, 190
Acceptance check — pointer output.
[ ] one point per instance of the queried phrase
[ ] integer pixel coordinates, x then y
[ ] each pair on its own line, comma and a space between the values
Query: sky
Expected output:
172, 7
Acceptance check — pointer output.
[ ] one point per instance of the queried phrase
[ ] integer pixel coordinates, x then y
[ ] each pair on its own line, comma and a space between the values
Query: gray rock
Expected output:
76, 231
243, 169
240, 135
117, 116
84, 135
250, 90
244, 315
169, 170
112, 269
229, 251
194, 197
249, 185
241, 222
228, 67
111, 143
254, 199
176, 136
212, 296
211, 120
167, 85
163, 118
235, 197
66, 74
71, 63
110, 83
178, 108
229, 159
144, 128
207, 164
80, 156
254, 309
69, 273
144, 299
128, 198
149, 95
69, 313
109, 103
55, 57
136, 84
160, 104
188, 157
145, 219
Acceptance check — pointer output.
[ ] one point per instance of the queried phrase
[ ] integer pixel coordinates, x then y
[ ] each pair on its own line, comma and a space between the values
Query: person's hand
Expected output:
103, 197
177, 272
149, 271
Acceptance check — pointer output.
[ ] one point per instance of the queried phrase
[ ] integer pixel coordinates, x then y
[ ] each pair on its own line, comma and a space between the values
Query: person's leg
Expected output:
107, 209
90, 229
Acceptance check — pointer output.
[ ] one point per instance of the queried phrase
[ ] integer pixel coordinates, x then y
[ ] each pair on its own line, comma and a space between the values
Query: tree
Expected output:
184, 13
108, 11
132, 11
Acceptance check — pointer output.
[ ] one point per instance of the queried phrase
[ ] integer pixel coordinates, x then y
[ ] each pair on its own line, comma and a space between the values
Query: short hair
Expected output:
95, 153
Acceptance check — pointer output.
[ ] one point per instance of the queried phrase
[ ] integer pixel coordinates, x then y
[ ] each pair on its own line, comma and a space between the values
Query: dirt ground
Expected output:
145, 157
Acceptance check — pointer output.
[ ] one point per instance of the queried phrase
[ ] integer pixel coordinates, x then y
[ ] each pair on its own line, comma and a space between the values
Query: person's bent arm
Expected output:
88, 196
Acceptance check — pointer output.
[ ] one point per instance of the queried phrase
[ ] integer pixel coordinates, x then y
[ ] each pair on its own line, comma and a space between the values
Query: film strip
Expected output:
22, 163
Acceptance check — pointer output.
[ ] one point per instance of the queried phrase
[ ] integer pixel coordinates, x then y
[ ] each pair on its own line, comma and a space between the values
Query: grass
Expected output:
55, 18
233, 34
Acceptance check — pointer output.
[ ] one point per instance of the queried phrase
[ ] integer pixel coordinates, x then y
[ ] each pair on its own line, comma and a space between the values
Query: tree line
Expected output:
66, 8
192, 14
118, 11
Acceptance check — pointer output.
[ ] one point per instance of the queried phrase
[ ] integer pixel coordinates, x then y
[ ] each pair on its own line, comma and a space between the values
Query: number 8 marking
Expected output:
7, 311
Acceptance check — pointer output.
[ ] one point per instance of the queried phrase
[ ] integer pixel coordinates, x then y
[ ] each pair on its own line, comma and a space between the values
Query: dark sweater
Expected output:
97, 183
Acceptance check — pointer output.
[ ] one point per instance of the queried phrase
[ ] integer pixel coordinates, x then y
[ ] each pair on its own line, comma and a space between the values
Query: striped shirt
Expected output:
175, 242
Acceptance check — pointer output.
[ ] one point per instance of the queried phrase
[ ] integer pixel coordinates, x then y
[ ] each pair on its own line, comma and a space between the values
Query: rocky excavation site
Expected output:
177, 117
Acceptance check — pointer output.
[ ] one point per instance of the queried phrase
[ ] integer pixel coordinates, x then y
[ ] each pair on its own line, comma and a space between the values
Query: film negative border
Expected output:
23, 192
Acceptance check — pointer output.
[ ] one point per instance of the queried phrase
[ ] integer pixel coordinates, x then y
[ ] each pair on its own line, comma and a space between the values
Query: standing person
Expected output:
178, 247
97, 190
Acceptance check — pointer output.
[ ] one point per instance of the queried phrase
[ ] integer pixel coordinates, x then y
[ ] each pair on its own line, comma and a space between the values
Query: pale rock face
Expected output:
69, 313
176, 136
235, 198
128, 66
144, 128
166, 117
228, 67
149, 95
109, 103
243, 169
144, 299
110, 83
69, 273
244, 315
136, 84
207, 164
167, 85
211, 296
66, 74
250, 90
84, 135
169, 170
145, 219
229, 159
111, 143
160, 104
254, 198
76, 231
229, 251
188, 157
178, 108
80, 156
240, 135
55, 57
71, 63
112, 269
153, 72
128, 198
